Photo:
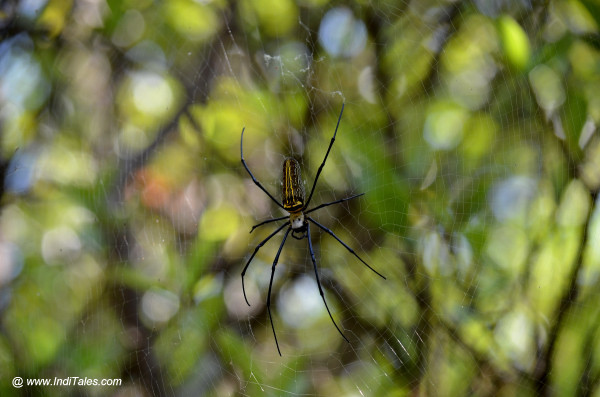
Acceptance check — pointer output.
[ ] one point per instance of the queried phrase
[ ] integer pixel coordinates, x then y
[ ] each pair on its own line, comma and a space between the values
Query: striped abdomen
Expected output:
293, 189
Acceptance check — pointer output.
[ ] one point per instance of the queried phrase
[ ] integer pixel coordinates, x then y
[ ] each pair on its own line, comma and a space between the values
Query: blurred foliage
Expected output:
470, 125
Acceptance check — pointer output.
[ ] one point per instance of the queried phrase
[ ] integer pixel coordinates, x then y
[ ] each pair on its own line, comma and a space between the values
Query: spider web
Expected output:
469, 126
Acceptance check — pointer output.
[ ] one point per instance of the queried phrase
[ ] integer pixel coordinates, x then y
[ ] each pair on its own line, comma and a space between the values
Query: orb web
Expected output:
470, 127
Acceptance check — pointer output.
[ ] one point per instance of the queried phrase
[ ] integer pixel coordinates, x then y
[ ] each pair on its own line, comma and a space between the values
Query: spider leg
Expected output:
269, 221
254, 253
257, 183
334, 202
325, 159
271, 285
344, 244
314, 261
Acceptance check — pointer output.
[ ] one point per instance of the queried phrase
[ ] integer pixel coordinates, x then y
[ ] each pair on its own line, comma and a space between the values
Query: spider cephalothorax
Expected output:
299, 225
299, 221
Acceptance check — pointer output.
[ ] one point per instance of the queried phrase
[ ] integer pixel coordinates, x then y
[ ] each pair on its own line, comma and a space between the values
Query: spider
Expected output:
299, 221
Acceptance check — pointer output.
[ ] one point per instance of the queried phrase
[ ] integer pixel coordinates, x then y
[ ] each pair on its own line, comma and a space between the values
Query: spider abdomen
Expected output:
293, 189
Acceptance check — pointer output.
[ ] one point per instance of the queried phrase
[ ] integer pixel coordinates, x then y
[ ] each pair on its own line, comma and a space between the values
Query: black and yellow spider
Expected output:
299, 221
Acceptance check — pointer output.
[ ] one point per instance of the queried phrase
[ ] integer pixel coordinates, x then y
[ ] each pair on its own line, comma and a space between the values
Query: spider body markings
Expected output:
293, 197
293, 201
